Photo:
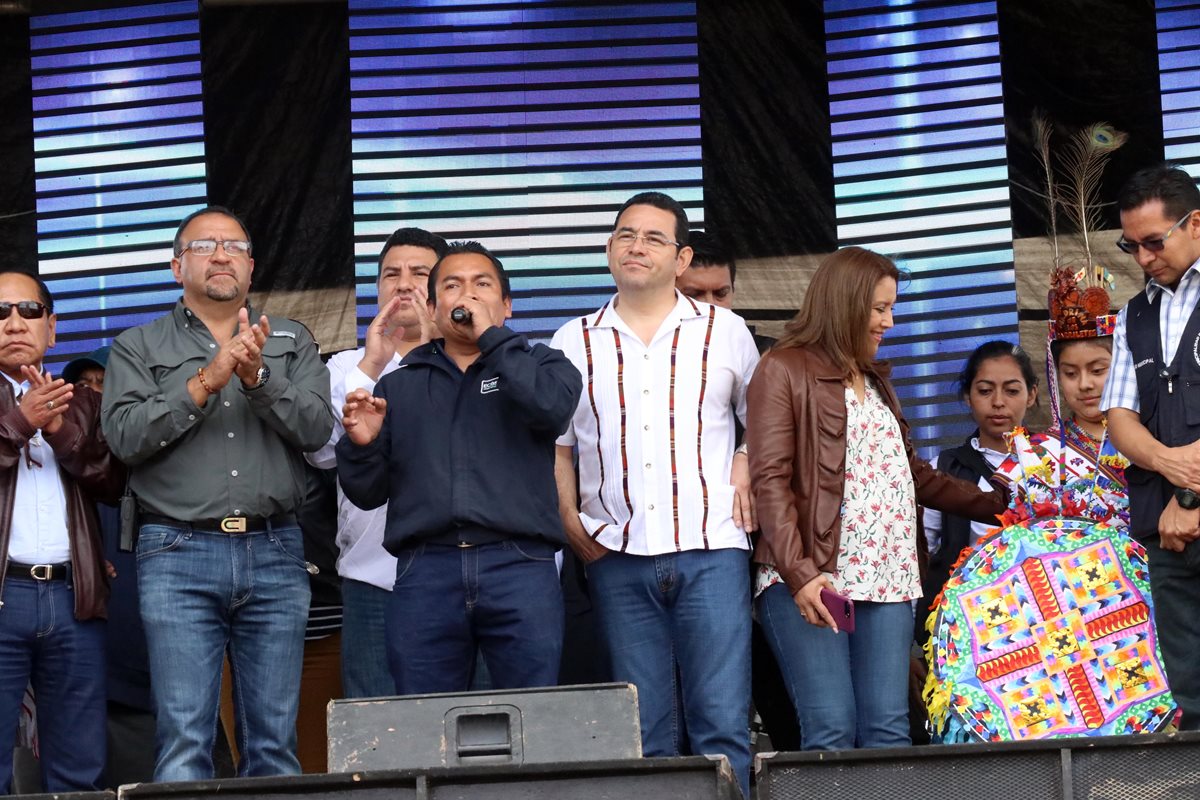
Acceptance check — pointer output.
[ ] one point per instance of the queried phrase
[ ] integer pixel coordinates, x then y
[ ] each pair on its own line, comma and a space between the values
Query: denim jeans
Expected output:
849, 690
1175, 587
450, 603
691, 609
365, 671
40, 639
203, 593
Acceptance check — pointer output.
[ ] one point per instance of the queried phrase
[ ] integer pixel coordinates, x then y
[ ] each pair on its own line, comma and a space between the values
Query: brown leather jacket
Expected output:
89, 473
796, 434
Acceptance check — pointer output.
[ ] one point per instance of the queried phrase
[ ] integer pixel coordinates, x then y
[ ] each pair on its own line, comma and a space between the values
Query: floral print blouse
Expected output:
877, 558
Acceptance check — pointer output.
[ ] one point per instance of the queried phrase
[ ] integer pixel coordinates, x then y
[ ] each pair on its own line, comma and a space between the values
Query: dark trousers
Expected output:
1175, 586
40, 640
130, 745
449, 603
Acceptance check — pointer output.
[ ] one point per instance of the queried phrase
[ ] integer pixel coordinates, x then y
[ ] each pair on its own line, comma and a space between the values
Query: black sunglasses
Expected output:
1152, 245
28, 309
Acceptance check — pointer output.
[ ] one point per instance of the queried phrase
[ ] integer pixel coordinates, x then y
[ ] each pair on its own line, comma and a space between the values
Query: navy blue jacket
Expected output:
467, 450
1167, 396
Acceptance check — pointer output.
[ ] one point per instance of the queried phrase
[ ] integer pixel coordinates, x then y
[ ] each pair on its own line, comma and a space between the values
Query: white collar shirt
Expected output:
654, 427
361, 556
1174, 312
38, 534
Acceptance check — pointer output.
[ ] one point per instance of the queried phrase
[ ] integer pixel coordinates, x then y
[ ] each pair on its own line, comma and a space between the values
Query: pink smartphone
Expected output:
840, 608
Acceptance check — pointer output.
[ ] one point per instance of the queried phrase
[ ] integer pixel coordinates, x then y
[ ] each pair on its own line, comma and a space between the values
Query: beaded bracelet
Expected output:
204, 383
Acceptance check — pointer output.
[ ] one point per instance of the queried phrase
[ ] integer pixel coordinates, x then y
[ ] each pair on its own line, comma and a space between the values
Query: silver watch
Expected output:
263, 375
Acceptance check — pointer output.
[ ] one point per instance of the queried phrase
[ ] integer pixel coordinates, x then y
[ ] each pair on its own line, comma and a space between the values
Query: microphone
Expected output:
460, 315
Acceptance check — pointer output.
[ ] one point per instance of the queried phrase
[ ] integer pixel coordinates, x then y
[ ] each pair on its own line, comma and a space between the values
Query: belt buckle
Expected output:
41, 572
233, 524
465, 545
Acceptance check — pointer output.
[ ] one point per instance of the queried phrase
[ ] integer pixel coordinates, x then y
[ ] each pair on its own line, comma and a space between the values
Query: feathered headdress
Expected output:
1078, 300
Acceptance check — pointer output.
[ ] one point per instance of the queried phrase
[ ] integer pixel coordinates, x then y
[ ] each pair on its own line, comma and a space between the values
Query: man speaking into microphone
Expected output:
459, 442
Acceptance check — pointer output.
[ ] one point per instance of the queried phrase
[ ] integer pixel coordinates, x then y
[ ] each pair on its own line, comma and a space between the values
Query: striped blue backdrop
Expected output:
119, 160
524, 126
921, 175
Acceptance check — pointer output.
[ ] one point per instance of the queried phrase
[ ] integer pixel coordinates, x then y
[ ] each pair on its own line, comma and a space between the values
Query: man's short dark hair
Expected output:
666, 203
412, 237
177, 249
458, 248
1166, 182
44, 296
709, 251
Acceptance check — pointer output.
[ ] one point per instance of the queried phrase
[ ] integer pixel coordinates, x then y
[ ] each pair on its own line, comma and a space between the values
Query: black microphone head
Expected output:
460, 315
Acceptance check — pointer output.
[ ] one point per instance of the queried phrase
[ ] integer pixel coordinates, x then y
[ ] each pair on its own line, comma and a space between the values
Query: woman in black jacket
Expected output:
999, 385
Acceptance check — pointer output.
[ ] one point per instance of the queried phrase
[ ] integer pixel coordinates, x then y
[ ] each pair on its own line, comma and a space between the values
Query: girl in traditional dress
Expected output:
1072, 469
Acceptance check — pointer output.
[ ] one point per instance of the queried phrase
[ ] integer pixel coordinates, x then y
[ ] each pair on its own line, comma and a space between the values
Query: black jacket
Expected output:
969, 464
1167, 396
469, 450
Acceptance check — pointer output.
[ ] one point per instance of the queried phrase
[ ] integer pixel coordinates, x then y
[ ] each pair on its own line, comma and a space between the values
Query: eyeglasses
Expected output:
655, 241
1152, 245
206, 247
28, 309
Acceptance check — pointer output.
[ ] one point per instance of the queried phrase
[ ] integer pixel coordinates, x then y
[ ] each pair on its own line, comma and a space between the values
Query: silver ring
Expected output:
50, 404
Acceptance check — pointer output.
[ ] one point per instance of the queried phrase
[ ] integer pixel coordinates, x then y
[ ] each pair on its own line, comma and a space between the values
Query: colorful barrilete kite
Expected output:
1046, 628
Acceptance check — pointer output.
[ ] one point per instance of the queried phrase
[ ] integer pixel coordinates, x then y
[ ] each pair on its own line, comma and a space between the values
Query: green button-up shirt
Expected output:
242, 453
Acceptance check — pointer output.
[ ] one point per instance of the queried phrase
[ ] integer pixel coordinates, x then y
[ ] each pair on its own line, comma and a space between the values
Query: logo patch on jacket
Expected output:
488, 385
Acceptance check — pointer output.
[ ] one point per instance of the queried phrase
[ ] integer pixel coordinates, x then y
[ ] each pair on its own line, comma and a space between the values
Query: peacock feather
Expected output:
1083, 158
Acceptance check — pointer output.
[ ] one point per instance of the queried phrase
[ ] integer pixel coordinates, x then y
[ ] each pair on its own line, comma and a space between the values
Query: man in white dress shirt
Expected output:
663, 514
368, 571
1151, 402
54, 462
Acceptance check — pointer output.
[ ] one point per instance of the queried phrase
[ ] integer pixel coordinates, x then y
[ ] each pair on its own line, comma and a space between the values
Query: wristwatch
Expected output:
1187, 499
263, 375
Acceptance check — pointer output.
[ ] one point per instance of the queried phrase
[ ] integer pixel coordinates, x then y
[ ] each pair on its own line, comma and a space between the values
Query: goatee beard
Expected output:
220, 293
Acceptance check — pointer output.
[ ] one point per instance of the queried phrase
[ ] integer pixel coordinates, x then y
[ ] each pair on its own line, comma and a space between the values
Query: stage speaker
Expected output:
1135, 767
524, 726
692, 778
105, 795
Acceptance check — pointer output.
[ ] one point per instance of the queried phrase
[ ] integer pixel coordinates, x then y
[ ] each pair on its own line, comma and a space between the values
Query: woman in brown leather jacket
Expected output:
837, 484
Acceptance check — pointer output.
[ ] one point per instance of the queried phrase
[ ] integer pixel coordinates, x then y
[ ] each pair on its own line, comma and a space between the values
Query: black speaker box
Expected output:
1138, 767
527, 726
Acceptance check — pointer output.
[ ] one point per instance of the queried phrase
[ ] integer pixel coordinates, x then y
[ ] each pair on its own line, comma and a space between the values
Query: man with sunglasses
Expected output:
1152, 398
213, 406
54, 463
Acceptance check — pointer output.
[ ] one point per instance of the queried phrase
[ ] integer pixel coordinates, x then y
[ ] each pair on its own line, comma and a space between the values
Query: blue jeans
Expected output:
849, 690
450, 603
365, 671
691, 609
203, 593
1175, 584
40, 639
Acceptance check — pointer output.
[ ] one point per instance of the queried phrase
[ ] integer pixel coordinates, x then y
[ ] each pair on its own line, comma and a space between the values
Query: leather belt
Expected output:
223, 525
37, 572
